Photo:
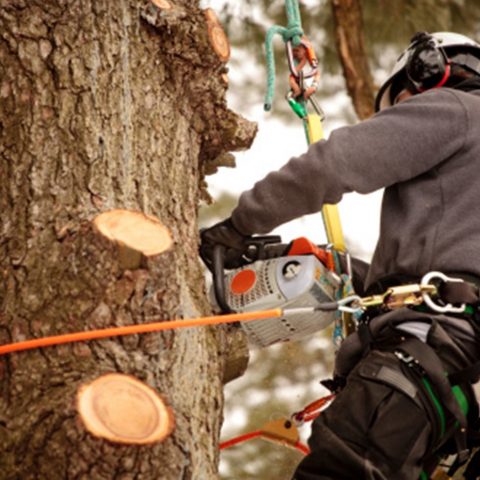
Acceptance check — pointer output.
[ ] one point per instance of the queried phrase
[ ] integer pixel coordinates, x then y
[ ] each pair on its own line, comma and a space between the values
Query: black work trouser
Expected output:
376, 428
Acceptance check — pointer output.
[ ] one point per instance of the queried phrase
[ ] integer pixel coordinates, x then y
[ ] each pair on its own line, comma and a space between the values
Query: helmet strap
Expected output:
442, 82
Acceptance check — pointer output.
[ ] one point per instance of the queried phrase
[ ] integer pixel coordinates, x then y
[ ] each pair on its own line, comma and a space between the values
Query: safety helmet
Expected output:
426, 64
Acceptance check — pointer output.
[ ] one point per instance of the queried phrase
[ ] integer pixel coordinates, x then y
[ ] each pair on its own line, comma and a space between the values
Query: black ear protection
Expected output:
427, 63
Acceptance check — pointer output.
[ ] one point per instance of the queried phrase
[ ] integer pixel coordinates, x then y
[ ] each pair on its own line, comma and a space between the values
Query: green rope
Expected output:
293, 32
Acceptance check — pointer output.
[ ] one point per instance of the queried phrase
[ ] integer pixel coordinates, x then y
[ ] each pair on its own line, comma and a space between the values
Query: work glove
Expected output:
226, 235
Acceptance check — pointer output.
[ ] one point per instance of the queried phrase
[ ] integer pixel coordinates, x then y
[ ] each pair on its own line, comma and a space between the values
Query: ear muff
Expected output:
427, 65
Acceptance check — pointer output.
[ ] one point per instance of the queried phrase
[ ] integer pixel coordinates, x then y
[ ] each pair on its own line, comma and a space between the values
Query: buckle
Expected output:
401, 296
409, 361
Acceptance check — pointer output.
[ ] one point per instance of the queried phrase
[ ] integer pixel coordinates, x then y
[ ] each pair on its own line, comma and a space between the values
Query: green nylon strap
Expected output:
462, 401
423, 476
437, 405
293, 32
459, 395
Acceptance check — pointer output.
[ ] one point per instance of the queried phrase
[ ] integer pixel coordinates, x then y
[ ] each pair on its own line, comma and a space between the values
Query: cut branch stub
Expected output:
135, 233
217, 36
162, 4
122, 409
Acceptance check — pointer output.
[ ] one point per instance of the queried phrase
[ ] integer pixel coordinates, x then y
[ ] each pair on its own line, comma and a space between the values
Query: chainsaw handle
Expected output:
255, 248
218, 276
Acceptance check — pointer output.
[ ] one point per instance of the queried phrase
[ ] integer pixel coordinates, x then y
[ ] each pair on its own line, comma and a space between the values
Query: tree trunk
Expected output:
106, 104
353, 56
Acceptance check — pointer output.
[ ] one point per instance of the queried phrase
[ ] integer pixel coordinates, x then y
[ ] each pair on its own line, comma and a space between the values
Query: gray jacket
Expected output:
425, 151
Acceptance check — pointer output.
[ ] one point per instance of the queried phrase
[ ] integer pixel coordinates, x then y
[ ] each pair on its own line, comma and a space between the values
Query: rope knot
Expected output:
294, 35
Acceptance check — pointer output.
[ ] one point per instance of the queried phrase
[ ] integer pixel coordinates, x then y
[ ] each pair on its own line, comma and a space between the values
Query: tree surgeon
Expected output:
404, 378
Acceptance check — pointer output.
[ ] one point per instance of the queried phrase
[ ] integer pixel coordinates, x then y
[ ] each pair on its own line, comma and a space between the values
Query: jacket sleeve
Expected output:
396, 145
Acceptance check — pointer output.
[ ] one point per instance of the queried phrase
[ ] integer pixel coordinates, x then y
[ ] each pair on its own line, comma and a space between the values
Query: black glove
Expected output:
226, 235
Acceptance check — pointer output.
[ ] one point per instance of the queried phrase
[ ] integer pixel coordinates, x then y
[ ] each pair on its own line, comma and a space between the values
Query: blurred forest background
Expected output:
282, 379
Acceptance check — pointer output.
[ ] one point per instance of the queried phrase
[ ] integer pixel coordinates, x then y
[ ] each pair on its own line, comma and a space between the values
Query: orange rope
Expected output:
240, 439
134, 329
261, 434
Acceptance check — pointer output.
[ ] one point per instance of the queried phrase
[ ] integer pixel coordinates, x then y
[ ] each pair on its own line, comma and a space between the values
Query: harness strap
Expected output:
471, 473
432, 365
451, 292
398, 380
459, 292
365, 336
470, 374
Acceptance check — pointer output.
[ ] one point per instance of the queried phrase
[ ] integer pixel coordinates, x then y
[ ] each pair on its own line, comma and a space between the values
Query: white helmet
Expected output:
426, 64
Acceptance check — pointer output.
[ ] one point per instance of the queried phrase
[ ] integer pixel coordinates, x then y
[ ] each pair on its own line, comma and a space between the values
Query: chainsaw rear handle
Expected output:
256, 248
218, 273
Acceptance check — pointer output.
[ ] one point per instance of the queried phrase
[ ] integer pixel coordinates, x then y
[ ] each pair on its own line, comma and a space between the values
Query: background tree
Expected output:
349, 38
106, 104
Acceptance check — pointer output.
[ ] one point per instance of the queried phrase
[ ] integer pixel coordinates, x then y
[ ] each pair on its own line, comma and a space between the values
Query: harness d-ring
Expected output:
435, 306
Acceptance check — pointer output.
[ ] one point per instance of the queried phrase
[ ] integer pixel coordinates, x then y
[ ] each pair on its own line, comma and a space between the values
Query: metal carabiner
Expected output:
428, 300
291, 63
344, 302
317, 108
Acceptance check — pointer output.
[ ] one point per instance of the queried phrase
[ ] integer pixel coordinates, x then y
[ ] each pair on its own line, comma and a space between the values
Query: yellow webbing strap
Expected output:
331, 217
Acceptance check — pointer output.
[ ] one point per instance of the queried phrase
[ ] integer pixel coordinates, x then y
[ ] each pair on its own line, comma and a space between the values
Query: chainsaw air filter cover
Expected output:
285, 282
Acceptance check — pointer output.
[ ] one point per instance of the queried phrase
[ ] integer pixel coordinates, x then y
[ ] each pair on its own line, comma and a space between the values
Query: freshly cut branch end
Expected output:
122, 409
217, 36
162, 4
135, 230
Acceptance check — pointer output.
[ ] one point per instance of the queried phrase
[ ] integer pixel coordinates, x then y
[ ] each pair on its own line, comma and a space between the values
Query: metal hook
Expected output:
435, 306
342, 304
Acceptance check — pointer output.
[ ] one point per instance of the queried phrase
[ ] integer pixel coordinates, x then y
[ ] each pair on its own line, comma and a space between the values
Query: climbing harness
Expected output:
447, 399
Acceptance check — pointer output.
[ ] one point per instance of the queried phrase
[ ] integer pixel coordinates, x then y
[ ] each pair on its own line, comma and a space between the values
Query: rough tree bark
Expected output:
351, 51
106, 104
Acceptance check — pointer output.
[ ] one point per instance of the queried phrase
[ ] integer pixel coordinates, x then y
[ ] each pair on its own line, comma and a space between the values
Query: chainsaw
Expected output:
276, 275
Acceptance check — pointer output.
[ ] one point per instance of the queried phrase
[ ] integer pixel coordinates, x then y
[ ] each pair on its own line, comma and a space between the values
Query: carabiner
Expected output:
291, 63
342, 304
434, 306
